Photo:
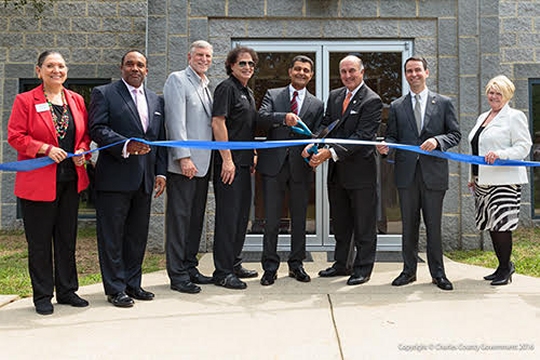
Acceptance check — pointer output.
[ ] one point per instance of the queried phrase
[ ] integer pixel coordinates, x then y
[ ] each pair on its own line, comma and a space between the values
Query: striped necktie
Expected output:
294, 103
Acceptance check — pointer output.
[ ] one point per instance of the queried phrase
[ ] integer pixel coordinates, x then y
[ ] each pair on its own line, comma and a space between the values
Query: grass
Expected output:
14, 278
525, 253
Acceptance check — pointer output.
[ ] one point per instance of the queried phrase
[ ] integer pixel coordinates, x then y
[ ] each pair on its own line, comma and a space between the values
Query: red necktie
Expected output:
294, 104
346, 102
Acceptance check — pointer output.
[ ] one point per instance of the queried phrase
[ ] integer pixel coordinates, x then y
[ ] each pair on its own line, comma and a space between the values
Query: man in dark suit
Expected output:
352, 172
126, 176
284, 168
421, 180
188, 116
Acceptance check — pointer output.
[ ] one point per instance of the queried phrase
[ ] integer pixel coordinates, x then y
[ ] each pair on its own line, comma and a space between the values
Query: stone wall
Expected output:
433, 25
505, 39
466, 43
91, 35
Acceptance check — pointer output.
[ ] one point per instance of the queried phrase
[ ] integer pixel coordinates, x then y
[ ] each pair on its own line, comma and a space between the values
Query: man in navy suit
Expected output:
126, 175
421, 180
284, 168
352, 172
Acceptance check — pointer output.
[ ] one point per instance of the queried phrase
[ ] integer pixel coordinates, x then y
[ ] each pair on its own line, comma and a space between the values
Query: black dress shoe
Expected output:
403, 279
332, 271
358, 279
243, 273
44, 307
268, 278
73, 300
198, 278
120, 300
494, 275
140, 294
299, 274
186, 287
231, 281
443, 283
504, 276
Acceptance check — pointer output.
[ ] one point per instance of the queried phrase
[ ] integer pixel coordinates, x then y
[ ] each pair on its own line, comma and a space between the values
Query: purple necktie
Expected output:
141, 107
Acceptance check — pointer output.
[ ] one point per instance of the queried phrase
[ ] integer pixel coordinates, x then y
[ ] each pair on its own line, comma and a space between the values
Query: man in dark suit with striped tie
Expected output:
283, 169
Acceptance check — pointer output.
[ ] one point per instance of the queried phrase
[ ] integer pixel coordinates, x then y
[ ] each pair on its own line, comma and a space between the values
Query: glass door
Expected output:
383, 61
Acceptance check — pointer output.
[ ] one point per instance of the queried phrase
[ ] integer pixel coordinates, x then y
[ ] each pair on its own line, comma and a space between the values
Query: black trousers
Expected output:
122, 234
233, 203
51, 233
274, 192
354, 218
413, 199
186, 203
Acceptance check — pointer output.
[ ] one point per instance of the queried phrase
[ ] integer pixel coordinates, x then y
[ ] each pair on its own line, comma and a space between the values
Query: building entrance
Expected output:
383, 62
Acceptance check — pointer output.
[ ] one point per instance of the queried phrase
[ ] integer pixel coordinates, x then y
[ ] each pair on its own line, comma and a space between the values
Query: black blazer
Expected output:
274, 107
440, 122
356, 166
113, 117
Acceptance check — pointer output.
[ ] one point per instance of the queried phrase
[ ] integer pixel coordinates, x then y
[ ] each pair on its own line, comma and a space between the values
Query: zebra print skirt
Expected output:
497, 206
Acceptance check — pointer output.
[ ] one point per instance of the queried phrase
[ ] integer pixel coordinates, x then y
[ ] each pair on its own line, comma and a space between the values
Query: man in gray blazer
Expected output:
284, 169
188, 113
422, 180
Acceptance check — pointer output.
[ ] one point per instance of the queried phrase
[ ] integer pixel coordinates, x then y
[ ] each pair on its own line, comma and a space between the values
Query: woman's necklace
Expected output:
61, 124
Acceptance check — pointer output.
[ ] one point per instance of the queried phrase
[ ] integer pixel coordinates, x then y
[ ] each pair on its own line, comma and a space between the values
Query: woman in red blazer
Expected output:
51, 121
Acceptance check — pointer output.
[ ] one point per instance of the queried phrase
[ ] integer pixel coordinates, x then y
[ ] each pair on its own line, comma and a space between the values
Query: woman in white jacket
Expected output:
500, 133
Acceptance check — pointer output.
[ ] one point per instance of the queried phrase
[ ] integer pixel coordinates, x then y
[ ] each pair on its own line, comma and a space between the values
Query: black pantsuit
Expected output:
59, 219
186, 202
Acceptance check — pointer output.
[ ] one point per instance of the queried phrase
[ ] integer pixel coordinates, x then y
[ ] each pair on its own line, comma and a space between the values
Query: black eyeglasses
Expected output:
245, 63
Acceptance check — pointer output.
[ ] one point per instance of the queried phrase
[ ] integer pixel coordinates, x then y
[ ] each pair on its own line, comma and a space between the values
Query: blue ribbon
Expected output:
33, 164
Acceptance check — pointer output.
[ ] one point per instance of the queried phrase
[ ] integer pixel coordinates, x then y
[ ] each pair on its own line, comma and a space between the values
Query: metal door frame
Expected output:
322, 240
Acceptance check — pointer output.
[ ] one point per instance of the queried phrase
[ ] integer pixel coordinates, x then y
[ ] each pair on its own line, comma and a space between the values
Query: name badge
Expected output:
42, 107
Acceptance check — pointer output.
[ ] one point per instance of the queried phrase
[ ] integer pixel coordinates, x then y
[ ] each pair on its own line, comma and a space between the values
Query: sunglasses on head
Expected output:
245, 63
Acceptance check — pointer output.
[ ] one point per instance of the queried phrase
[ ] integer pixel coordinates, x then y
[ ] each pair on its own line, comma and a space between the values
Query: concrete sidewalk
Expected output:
324, 319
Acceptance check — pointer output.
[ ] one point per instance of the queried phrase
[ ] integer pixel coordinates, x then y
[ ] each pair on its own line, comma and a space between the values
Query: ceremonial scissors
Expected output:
301, 128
